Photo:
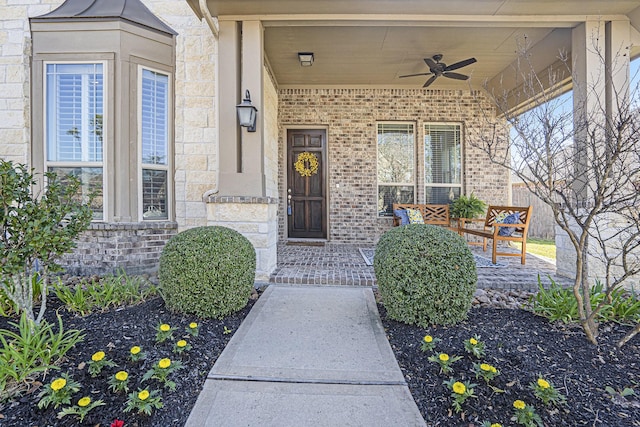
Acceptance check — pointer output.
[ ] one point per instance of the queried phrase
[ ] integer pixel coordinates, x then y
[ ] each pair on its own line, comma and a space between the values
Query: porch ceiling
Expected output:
372, 42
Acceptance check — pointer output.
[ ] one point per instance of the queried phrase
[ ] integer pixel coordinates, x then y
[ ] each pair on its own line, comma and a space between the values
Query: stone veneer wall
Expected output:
196, 150
107, 248
351, 116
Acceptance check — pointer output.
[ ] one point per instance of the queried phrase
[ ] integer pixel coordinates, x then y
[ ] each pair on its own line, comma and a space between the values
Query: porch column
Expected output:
241, 202
600, 58
241, 69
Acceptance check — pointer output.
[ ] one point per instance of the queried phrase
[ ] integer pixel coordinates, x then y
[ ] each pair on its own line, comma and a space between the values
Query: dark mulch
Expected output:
115, 332
522, 345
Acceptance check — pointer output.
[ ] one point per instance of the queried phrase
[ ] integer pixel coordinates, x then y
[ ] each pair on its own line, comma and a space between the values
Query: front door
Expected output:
306, 187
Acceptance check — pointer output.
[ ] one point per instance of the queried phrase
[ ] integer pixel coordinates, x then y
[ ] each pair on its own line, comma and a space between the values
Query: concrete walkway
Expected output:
308, 356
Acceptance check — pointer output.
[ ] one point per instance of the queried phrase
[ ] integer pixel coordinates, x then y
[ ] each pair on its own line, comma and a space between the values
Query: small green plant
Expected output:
98, 362
81, 409
474, 346
526, 415
119, 382
428, 343
460, 392
136, 354
207, 271
426, 275
546, 392
445, 361
181, 346
161, 371
35, 231
110, 292
226, 331
164, 332
490, 424
613, 393
467, 207
485, 371
143, 401
58, 392
30, 350
193, 329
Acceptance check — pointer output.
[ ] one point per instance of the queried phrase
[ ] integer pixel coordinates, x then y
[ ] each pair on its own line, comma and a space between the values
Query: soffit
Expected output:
373, 42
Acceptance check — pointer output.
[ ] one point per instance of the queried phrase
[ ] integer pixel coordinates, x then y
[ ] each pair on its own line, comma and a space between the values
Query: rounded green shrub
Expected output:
426, 275
207, 271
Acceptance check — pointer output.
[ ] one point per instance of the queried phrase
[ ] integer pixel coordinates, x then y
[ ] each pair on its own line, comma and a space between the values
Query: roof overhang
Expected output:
370, 43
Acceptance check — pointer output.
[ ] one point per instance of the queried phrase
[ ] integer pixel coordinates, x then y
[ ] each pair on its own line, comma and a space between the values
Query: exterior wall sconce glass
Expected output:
247, 113
305, 58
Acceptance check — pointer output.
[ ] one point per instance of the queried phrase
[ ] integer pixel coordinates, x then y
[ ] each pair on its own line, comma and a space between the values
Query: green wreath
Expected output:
301, 164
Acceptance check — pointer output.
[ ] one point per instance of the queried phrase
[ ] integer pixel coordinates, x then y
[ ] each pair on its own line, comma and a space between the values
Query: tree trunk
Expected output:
632, 333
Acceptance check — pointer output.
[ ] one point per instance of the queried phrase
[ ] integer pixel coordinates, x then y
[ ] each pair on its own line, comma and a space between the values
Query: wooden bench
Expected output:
431, 214
492, 228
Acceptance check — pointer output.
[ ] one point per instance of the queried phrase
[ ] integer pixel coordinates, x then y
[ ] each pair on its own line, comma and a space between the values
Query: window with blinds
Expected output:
396, 165
442, 162
74, 108
154, 135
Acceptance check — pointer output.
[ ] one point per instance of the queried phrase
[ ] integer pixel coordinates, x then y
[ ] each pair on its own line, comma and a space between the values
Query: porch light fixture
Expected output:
305, 58
247, 113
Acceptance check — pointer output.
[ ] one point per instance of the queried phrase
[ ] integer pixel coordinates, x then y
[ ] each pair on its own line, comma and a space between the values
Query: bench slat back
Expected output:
432, 214
494, 212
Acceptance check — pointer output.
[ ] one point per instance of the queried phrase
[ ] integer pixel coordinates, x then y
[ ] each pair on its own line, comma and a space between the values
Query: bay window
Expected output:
442, 162
396, 165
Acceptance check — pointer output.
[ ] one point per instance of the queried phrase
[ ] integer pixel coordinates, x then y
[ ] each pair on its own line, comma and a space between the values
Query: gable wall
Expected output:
350, 116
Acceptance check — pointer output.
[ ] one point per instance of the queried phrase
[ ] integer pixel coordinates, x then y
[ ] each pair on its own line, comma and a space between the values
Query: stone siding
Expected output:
350, 116
107, 248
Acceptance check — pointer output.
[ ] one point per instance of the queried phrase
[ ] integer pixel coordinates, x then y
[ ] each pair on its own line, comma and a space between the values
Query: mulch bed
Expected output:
522, 346
115, 332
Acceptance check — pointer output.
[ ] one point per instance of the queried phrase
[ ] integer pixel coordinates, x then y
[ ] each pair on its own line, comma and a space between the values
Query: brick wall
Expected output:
106, 248
351, 116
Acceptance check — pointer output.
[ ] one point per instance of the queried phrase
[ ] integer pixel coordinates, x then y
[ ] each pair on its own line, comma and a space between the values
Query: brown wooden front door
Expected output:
306, 195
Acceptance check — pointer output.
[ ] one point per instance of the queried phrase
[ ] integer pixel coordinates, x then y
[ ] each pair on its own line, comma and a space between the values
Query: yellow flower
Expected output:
459, 388
97, 356
496, 425
143, 395
473, 341
486, 367
122, 376
193, 325
135, 349
165, 328
444, 357
519, 404
84, 402
181, 343
164, 363
543, 384
58, 384
428, 338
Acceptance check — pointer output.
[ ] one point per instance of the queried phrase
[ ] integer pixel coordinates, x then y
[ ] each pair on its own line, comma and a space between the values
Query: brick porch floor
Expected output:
341, 264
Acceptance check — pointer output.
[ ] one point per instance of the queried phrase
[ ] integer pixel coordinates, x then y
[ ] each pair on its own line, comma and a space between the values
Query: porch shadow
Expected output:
343, 264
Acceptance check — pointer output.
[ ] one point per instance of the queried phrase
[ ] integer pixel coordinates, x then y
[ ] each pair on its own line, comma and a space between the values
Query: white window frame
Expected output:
147, 166
415, 169
105, 137
425, 129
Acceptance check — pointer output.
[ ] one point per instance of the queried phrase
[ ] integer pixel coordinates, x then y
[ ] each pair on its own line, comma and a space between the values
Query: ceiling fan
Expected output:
438, 69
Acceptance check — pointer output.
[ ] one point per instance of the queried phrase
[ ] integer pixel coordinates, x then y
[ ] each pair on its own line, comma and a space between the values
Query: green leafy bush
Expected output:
426, 275
558, 303
207, 271
467, 207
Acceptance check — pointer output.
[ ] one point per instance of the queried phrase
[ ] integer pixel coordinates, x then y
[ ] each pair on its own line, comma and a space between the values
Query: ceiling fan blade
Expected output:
430, 63
413, 75
460, 64
456, 76
431, 80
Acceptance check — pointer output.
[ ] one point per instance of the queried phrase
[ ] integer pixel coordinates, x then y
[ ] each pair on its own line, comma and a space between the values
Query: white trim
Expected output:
168, 167
105, 118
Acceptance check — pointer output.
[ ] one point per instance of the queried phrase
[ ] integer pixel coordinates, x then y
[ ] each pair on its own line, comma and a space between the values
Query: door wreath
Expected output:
301, 164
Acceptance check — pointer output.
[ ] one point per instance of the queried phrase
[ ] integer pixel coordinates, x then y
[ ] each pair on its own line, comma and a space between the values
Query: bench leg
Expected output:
523, 257
495, 248
484, 244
